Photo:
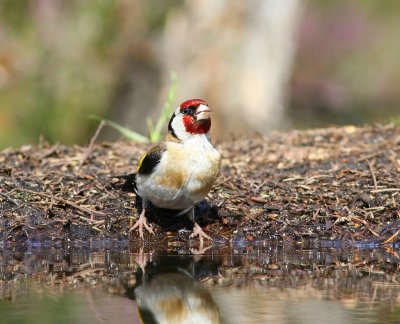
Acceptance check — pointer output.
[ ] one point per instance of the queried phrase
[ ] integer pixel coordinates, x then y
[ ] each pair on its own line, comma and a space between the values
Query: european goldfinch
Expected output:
179, 172
175, 298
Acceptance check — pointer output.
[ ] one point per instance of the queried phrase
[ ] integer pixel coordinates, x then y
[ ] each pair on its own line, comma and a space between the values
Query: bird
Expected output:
168, 290
175, 298
179, 172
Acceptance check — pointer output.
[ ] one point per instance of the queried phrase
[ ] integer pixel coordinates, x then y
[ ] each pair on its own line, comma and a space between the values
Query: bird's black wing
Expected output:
151, 159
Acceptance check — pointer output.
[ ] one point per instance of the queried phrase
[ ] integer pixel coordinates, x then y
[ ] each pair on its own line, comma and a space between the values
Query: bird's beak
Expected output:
203, 112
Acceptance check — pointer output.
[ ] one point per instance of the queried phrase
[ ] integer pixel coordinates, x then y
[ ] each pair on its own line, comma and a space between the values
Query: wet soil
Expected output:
335, 185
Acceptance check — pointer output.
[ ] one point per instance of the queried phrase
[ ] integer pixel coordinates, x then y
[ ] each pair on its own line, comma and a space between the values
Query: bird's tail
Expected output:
130, 181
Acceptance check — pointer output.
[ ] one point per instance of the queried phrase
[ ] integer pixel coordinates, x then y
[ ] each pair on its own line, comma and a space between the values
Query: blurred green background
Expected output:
63, 60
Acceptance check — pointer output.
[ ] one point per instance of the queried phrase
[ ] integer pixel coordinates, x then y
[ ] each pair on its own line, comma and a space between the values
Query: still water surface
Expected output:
258, 284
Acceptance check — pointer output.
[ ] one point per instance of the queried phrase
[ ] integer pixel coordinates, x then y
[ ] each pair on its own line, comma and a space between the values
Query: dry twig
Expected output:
373, 175
91, 144
64, 201
391, 239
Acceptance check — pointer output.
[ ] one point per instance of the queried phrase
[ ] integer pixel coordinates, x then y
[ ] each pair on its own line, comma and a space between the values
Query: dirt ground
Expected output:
333, 184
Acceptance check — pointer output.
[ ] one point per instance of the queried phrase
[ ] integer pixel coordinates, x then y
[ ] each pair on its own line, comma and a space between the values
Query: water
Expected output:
260, 283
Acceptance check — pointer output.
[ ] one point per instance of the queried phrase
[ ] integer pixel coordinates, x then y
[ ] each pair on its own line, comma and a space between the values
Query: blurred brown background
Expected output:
261, 64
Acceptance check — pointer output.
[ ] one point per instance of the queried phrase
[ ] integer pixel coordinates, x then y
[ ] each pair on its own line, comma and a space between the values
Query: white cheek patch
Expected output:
179, 127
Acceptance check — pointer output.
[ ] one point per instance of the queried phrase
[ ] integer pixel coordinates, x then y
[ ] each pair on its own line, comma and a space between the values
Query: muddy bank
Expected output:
340, 184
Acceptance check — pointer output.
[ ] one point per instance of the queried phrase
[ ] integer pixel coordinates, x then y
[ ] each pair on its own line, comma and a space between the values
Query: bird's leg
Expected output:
142, 259
197, 230
142, 222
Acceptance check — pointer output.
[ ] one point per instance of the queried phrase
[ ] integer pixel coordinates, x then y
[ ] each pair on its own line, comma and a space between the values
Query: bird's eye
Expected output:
189, 110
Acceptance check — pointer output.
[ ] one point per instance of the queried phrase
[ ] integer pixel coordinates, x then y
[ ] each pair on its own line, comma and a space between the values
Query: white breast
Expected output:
184, 175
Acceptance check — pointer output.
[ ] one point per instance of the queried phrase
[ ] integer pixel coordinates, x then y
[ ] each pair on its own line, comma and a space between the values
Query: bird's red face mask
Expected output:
196, 116
192, 117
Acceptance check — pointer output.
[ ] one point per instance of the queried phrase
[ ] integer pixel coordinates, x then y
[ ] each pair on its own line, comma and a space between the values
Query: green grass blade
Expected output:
156, 130
150, 128
166, 112
123, 130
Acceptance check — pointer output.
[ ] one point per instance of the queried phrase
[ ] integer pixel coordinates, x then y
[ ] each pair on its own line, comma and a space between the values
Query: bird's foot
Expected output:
197, 231
142, 222
142, 259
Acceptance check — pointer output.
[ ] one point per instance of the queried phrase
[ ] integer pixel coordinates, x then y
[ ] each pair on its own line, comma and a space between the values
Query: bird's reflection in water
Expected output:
168, 292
